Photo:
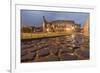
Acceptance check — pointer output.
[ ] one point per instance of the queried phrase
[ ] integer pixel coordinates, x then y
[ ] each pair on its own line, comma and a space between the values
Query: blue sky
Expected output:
35, 17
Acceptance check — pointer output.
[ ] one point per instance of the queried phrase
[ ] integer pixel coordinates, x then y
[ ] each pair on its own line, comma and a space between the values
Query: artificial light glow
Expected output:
47, 30
73, 35
68, 29
72, 28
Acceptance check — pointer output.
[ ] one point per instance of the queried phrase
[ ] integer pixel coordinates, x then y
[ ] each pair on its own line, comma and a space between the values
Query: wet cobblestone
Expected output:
61, 48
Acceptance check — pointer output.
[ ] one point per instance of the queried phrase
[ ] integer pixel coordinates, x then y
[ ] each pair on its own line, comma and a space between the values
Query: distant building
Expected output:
30, 29
59, 25
26, 29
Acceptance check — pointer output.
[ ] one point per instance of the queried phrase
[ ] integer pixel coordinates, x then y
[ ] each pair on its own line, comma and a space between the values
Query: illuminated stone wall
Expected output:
86, 28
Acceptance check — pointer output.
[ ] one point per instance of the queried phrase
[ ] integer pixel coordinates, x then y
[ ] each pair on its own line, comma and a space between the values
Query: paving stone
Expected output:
66, 50
43, 52
24, 52
54, 50
83, 53
68, 57
32, 50
47, 58
28, 57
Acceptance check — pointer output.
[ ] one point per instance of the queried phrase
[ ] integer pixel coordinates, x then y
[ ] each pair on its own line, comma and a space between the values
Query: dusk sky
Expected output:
35, 17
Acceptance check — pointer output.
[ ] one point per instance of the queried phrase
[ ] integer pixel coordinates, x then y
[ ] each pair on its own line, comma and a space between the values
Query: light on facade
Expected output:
73, 28
68, 29
47, 30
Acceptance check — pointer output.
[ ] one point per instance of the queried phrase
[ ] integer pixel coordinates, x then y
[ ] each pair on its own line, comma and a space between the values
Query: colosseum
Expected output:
59, 25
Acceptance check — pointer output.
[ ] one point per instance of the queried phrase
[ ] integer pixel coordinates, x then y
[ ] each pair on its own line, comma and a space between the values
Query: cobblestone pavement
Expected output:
63, 48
